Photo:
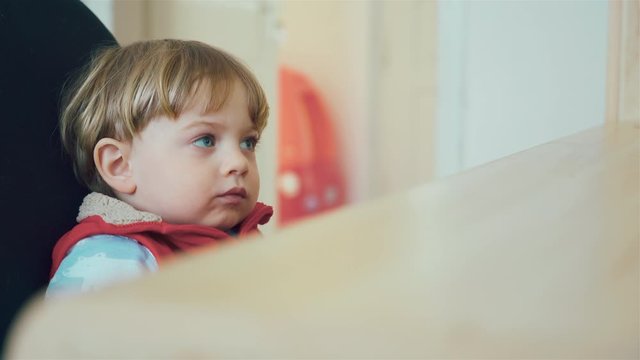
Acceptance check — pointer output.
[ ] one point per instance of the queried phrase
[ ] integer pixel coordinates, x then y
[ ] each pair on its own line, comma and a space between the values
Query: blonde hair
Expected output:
123, 88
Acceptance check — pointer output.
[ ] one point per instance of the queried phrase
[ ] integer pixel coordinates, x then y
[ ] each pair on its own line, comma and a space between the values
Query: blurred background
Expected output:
373, 97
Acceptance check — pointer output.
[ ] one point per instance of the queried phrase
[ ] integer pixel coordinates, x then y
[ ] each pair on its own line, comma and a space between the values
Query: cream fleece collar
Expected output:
113, 211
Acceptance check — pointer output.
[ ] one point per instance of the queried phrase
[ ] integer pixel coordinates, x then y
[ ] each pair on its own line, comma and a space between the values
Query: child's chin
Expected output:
224, 224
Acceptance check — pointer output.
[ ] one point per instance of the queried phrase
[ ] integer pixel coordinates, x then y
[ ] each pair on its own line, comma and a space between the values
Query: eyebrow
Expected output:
196, 123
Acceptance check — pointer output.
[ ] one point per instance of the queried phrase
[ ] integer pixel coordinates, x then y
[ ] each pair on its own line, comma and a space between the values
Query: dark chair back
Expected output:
43, 42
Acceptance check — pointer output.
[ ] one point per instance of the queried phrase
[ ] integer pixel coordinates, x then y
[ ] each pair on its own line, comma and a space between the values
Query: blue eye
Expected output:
249, 143
205, 141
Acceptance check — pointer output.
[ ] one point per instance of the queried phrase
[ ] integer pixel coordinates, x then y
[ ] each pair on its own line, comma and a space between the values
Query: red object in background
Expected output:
310, 177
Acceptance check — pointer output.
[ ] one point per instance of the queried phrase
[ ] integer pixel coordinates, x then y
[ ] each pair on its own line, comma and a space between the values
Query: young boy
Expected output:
164, 133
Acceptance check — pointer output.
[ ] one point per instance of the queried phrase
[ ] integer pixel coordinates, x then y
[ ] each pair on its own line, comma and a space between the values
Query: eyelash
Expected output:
253, 140
211, 138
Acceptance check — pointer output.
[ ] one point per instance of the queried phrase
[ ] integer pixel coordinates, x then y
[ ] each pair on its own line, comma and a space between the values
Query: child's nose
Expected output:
234, 162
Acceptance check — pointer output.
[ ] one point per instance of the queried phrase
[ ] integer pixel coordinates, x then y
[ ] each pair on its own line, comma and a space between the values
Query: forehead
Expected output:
233, 112
206, 97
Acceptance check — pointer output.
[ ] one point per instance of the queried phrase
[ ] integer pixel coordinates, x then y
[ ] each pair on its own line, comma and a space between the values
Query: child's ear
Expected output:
112, 162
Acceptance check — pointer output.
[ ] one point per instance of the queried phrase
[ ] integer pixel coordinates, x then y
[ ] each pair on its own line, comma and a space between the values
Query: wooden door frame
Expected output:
623, 74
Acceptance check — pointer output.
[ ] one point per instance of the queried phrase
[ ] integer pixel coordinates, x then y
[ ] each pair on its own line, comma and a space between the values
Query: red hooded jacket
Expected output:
161, 238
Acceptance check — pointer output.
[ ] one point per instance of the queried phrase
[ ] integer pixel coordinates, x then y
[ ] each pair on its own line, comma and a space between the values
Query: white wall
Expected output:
374, 62
329, 42
103, 9
403, 81
517, 74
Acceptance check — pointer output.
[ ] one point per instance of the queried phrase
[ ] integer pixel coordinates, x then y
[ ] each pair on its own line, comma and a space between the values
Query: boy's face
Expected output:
199, 168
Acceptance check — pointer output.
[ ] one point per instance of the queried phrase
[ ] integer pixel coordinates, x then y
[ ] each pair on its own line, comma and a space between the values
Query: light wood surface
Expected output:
535, 255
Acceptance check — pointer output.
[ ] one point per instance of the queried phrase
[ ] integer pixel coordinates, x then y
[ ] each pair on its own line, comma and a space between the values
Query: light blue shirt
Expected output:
99, 261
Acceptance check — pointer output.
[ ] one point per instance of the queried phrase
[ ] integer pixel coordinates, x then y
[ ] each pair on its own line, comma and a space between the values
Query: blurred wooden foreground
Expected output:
535, 255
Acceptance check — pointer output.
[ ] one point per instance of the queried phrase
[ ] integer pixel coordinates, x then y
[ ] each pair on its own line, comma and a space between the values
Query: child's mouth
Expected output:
233, 196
